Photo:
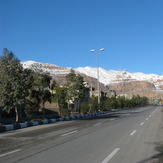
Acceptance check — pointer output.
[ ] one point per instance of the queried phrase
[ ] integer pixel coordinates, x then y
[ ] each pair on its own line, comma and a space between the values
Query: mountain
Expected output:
128, 84
59, 73
114, 76
121, 81
45, 67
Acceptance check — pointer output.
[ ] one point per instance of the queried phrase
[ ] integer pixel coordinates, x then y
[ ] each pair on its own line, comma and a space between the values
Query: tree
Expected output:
31, 108
59, 96
40, 89
75, 88
121, 101
15, 83
111, 103
84, 107
93, 104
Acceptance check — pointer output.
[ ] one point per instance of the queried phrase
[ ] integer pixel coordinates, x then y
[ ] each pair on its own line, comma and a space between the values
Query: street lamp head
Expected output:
93, 50
102, 49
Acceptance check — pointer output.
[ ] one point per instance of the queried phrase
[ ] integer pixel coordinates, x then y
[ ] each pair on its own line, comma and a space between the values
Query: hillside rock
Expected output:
61, 79
150, 85
130, 88
59, 73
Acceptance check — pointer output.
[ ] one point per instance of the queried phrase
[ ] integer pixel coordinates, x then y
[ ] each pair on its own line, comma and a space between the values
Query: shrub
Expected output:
84, 107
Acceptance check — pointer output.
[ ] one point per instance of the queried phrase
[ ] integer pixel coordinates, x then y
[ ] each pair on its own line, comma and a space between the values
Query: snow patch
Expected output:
105, 76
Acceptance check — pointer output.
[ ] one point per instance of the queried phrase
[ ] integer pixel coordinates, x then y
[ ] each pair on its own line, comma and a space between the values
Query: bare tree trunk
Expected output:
43, 108
58, 109
78, 106
17, 114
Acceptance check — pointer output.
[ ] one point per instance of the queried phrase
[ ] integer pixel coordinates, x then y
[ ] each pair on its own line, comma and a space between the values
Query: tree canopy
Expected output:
15, 82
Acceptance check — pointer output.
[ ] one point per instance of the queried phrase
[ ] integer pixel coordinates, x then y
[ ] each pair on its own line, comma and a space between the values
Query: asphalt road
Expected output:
129, 136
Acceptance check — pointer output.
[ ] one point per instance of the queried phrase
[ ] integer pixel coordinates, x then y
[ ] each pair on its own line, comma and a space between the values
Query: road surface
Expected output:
129, 136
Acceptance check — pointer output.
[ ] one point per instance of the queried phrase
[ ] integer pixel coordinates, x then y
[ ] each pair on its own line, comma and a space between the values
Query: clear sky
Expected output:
62, 32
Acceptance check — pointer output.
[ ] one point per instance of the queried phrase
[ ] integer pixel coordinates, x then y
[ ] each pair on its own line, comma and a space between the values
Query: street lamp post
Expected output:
123, 82
98, 83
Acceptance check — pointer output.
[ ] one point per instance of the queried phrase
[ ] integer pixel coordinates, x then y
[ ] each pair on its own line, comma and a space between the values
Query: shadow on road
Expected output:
157, 158
105, 116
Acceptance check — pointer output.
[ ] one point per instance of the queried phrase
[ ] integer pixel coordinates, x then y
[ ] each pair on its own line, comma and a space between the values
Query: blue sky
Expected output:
62, 32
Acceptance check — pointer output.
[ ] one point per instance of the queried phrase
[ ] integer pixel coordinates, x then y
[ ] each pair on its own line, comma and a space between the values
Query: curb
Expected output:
36, 123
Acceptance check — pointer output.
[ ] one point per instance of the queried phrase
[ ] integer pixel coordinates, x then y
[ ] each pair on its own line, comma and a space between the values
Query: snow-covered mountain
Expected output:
113, 76
45, 67
106, 76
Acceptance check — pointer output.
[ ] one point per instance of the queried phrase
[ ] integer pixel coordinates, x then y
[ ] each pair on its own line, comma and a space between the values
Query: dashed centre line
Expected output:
132, 133
69, 133
108, 158
97, 124
17, 150
141, 123
153, 111
146, 119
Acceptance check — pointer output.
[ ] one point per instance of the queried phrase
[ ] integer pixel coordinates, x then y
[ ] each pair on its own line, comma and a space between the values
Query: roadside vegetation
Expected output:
24, 92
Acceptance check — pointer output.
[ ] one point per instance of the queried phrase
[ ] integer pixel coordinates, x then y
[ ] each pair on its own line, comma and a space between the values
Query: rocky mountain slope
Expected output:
59, 73
112, 76
121, 81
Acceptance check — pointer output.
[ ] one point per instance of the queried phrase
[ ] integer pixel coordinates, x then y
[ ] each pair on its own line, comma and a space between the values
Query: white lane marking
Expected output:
153, 111
112, 119
133, 132
17, 150
142, 123
149, 115
146, 119
69, 133
97, 124
108, 158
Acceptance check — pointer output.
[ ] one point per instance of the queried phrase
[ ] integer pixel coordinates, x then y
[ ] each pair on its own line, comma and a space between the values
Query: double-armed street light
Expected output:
98, 83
